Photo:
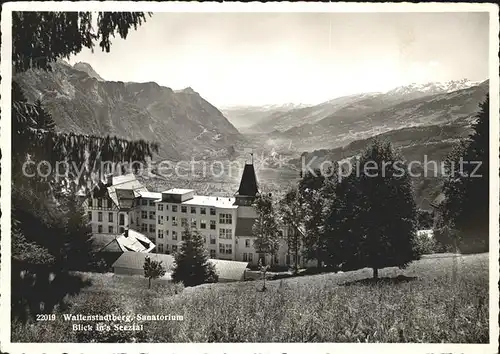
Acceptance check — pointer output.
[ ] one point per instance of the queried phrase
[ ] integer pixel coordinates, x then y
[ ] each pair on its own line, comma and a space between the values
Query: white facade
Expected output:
226, 223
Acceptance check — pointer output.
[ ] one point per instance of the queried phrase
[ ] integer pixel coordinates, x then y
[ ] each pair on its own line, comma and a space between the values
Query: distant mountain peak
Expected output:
87, 68
188, 89
433, 87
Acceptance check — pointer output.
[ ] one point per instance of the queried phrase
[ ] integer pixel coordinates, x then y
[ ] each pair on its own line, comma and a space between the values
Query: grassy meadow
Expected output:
426, 302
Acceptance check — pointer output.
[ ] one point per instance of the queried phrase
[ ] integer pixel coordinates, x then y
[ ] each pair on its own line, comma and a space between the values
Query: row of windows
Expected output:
165, 249
100, 202
145, 202
111, 229
184, 222
247, 257
184, 209
144, 215
165, 233
110, 217
225, 248
144, 227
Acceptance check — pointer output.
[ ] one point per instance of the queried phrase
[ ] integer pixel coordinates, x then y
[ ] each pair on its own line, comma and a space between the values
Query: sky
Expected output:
274, 58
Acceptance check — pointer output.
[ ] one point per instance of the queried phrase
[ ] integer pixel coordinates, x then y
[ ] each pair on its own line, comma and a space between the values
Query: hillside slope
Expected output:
182, 122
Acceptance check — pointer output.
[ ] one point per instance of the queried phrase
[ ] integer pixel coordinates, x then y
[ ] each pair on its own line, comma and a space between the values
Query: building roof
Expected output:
211, 201
178, 191
105, 243
150, 195
248, 184
228, 270
125, 182
135, 260
134, 241
130, 240
244, 226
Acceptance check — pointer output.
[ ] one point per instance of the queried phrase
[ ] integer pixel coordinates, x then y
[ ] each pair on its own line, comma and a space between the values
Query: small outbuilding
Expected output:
131, 263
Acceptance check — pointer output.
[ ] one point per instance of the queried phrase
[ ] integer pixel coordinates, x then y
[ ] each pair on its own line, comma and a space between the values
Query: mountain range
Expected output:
81, 101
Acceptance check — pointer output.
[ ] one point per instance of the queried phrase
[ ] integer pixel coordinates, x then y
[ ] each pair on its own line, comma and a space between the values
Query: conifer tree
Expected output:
378, 212
265, 228
466, 188
192, 265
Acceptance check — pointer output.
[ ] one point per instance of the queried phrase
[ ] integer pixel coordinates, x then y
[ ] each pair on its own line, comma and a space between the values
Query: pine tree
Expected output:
466, 188
382, 211
153, 270
311, 193
40, 38
265, 228
293, 213
192, 265
44, 120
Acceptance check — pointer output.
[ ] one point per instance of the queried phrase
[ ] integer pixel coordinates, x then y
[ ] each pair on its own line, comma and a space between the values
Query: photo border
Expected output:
5, 140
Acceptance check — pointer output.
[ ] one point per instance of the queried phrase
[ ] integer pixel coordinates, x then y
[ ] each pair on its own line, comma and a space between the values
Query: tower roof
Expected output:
248, 184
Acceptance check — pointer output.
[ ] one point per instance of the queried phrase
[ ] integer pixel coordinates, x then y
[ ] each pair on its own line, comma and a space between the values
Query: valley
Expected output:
419, 120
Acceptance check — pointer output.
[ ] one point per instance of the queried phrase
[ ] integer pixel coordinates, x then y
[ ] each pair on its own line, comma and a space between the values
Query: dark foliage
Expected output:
192, 266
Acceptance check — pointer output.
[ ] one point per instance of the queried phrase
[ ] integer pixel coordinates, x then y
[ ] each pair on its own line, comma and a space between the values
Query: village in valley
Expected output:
339, 233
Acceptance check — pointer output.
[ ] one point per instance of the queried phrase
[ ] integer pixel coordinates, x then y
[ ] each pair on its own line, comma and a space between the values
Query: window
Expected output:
212, 239
144, 214
167, 217
151, 228
225, 248
174, 248
99, 203
160, 219
287, 259
99, 216
250, 257
160, 233
144, 202
144, 227
212, 211
152, 215
174, 208
226, 234
89, 214
122, 230
203, 224
193, 222
225, 218
166, 234
276, 260
203, 211
110, 229
245, 257
193, 210
90, 202
212, 224
110, 204
99, 229
110, 217
160, 248
184, 209
247, 243
184, 222
174, 235
152, 203
160, 207
122, 219
212, 254
174, 221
